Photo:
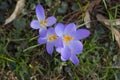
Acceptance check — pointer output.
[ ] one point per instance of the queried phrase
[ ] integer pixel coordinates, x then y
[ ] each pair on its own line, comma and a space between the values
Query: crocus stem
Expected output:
31, 47
8, 59
33, 38
82, 25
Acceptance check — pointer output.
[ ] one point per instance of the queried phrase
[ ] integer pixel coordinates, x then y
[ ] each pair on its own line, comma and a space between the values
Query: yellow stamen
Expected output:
67, 39
52, 37
43, 23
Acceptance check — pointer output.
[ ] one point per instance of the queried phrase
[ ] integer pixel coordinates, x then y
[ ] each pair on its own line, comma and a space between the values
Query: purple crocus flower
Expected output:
50, 38
70, 37
42, 23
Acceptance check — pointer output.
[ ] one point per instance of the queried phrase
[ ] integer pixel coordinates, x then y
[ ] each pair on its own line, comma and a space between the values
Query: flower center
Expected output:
43, 23
67, 39
52, 37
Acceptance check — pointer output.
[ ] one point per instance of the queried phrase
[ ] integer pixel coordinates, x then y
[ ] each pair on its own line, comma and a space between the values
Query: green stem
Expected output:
5, 58
31, 47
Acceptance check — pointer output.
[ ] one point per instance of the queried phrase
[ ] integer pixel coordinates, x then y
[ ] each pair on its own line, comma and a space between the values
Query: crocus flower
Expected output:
70, 37
42, 23
50, 39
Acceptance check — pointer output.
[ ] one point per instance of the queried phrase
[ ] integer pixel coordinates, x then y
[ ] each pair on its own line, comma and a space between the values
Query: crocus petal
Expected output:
35, 24
51, 31
70, 28
40, 12
58, 42
43, 32
74, 59
63, 59
49, 48
81, 34
58, 49
59, 29
76, 47
51, 20
42, 40
65, 53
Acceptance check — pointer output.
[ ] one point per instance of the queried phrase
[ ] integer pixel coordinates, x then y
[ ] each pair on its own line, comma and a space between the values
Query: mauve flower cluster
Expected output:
65, 38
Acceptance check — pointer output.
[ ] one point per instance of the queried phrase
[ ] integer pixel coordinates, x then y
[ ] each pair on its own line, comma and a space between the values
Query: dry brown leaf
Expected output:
87, 19
17, 11
107, 22
115, 22
117, 36
93, 4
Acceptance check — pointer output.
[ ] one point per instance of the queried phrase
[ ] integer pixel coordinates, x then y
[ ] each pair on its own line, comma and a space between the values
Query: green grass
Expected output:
22, 55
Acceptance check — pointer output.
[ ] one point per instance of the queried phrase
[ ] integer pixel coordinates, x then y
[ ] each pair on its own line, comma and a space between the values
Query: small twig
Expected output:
73, 16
